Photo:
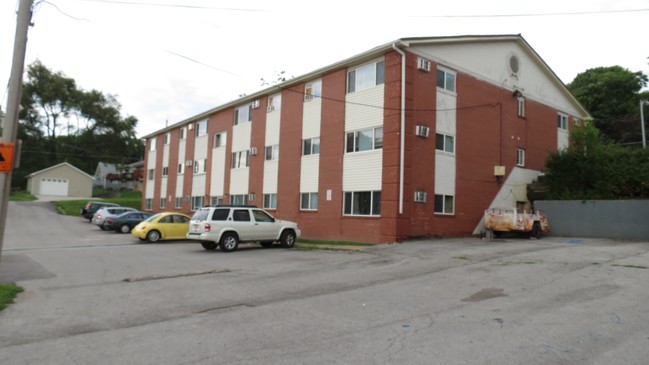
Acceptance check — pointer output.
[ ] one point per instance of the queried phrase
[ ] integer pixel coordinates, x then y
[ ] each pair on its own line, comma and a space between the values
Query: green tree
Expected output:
61, 122
612, 95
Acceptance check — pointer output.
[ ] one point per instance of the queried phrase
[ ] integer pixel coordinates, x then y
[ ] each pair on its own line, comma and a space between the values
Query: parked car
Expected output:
162, 226
229, 225
125, 222
498, 220
92, 207
106, 212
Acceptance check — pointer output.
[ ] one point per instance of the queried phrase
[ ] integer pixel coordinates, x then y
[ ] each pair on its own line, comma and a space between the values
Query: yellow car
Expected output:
162, 226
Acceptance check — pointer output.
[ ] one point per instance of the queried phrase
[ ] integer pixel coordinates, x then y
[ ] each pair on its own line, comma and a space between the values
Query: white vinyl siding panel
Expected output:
364, 109
181, 160
217, 174
200, 148
446, 113
272, 128
150, 183
445, 170
270, 177
310, 173
363, 171
311, 118
241, 137
239, 181
198, 185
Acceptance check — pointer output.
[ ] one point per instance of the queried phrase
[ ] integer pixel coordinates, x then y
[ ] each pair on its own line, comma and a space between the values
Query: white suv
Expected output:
228, 225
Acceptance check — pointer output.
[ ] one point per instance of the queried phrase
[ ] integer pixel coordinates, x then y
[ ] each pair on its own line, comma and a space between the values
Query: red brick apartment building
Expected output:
412, 138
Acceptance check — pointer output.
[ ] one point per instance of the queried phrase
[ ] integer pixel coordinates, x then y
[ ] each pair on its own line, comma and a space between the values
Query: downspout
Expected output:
403, 125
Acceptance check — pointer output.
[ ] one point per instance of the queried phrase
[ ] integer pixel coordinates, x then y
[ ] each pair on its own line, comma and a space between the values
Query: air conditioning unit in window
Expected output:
255, 104
189, 162
422, 131
190, 126
253, 151
423, 64
420, 196
270, 108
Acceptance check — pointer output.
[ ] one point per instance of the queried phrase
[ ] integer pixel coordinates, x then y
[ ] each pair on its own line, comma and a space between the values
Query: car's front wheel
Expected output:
229, 242
209, 245
288, 239
153, 236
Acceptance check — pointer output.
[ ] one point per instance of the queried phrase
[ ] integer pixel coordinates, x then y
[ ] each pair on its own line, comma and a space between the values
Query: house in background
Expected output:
60, 180
120, 177
413, 138
102, 170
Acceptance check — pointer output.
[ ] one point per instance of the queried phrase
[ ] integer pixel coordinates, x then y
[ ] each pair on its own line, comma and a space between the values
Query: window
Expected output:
216, 200
444, 143
243, 114
220, 214
165, 171
181, 168
311, 146
576, 122
444, 204
521, 107
150, 173
239, 199
148, 204
219, 140
446, 80
274, 102
313, 90
239, 159
362, 203
197, 202
562, 121
152, 143
241, 215
367, 139
163, 203
365, 77
201, 128
166, 138
200, 166
520, 157
309, 201
179, 202
272, 152
183, 132
270, 201
261, 216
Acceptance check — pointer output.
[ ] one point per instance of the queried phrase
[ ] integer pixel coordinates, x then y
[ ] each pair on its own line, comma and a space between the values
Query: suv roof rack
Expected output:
229, 206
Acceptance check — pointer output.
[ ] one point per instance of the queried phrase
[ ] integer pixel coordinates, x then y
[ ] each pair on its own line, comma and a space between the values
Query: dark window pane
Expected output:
351, 81
362, 203
220, 214
241, 216
439, 142
348, 203
440, 78
376, 203
380, 72
439, 203
350, 142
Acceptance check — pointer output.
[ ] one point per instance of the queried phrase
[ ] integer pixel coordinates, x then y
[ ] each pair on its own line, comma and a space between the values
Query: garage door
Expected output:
52, 186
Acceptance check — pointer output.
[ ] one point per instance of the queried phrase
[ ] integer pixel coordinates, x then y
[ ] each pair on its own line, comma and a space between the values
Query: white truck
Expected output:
497, 220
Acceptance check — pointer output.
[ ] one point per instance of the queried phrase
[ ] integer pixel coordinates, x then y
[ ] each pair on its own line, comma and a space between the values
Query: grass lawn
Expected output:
7, 294
21, 196
131, 199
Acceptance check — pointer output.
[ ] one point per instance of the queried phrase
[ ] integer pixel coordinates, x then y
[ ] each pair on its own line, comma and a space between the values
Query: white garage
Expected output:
60, 180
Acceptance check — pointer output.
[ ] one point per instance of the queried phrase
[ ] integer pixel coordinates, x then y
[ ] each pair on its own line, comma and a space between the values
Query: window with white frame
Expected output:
366, 76
364, 140
152, 143
216, 200
520, 157
197, 202
219, 140
179, 202
309, 201
243, 114
562, 121
521, 107
444, 204
274, 103
201, 128
446, 79
148, 204
362, 203
270, 201
200, 166
239, 159
272, 152
311, 146
239, 199
183, 132
444, 142
312, 90
167, 137
150, 174
163, 203
165, 171
576, 122
181, 168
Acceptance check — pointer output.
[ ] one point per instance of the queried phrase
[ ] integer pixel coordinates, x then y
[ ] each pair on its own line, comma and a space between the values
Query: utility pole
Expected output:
9, 130
644, 139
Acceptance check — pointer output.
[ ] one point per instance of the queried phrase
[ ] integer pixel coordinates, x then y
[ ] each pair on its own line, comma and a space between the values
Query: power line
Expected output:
173, 5
533, 14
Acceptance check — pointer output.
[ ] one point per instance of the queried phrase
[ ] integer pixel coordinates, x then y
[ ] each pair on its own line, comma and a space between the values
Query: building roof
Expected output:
375, 52
57, 166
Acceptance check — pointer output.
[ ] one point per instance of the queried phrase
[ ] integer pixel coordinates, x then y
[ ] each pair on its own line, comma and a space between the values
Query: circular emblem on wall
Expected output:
514, 63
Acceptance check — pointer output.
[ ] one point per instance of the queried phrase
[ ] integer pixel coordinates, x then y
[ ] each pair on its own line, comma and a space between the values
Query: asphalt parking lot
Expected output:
94, 297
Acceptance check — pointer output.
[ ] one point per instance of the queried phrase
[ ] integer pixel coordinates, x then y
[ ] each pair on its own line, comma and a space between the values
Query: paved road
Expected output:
95, 297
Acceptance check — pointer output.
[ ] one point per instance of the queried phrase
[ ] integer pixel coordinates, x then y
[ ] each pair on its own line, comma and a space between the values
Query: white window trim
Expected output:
444, 151
443, 212
447, 71
520, 157
359, 131
371, 203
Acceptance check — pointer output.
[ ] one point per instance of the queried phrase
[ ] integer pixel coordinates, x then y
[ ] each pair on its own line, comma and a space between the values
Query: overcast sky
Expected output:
168, 60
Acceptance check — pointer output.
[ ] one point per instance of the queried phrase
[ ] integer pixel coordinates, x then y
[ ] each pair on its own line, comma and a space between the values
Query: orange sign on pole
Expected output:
6, 157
